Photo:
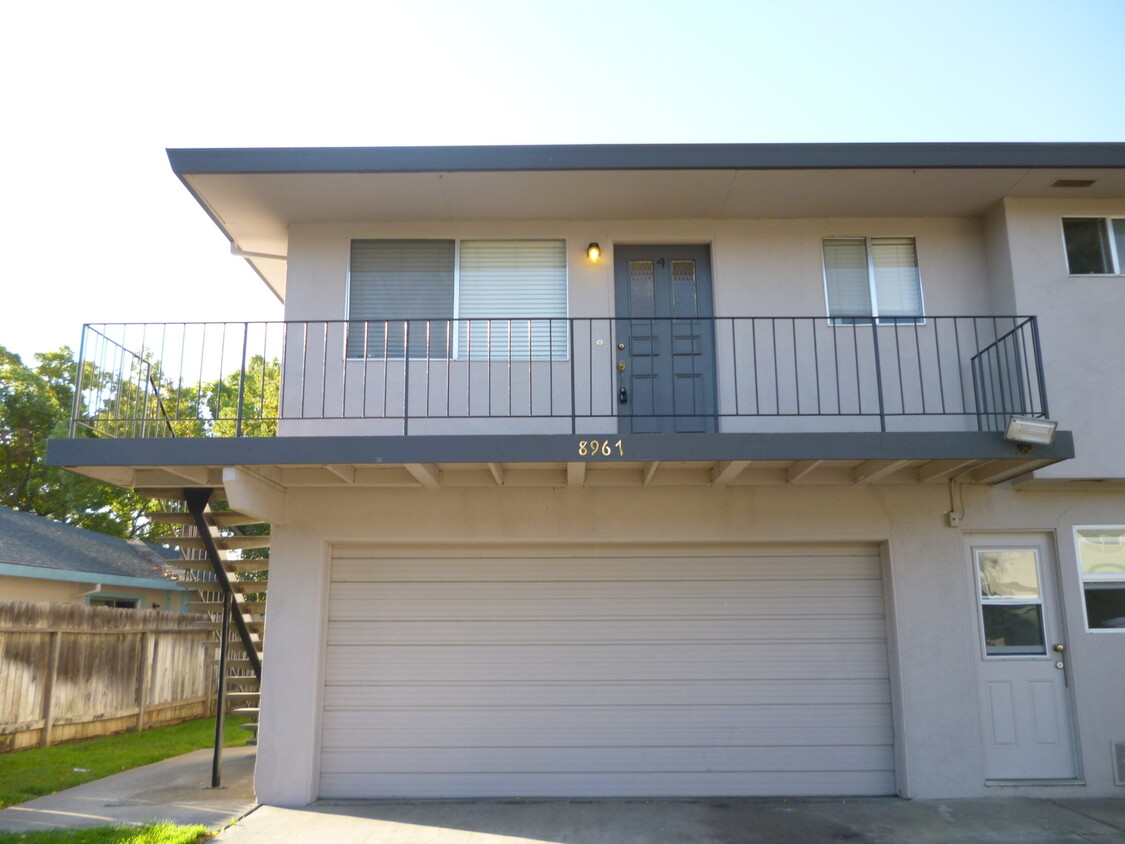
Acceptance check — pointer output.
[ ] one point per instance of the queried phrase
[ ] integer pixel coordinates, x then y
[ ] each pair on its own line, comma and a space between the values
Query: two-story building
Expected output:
662, 470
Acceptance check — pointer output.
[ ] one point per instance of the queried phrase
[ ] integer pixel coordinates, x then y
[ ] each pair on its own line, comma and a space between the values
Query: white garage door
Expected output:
570, 672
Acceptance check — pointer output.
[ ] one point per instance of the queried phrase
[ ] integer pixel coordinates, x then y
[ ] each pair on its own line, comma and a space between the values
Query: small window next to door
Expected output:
1011, 602
1101, 564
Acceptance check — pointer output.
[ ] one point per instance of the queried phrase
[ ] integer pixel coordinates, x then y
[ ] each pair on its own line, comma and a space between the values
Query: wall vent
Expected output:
1119, 763
1072, 183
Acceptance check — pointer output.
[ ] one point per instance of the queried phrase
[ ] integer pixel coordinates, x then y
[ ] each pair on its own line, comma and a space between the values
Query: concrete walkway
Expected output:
176, 789
870, 821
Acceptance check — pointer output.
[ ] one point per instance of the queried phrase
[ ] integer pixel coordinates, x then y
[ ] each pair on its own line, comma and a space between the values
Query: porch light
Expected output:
593, 251
1031, 431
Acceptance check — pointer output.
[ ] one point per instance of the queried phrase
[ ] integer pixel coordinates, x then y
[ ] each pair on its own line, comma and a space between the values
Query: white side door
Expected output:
1025, 704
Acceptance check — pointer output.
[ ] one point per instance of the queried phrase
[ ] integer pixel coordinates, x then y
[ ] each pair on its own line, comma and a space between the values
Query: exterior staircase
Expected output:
248, 585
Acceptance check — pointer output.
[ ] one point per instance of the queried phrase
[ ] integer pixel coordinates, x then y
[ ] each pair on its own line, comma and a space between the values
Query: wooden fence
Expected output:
69, 671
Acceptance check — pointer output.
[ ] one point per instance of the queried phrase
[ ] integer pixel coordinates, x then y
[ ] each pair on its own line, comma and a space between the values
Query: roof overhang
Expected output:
254, 195
163, 467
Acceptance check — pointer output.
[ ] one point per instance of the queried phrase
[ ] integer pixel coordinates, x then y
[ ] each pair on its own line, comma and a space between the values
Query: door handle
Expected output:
1059, 648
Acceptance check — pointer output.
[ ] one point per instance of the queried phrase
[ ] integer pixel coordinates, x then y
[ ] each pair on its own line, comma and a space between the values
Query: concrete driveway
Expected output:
876, 821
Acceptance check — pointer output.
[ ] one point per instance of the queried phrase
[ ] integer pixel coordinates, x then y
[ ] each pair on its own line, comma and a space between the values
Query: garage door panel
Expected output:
784, 758
793, 784
506, 593
590, 607
684, 692
586, 569
486, 631
534, 663
621, 726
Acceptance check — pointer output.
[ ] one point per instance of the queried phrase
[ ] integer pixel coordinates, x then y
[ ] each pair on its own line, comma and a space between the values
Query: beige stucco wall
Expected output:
931, 591
1080, 323
759, 268
70, 592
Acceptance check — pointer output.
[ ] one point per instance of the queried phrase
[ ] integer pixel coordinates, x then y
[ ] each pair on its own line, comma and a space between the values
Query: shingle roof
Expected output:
30, 540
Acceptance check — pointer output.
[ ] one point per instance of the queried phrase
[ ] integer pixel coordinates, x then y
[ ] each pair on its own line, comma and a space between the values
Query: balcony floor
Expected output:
161, 466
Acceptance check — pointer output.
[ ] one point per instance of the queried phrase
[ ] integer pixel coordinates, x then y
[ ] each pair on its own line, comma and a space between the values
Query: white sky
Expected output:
97, 228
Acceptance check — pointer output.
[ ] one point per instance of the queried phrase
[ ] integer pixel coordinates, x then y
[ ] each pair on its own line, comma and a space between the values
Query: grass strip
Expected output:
32, 773
156, 833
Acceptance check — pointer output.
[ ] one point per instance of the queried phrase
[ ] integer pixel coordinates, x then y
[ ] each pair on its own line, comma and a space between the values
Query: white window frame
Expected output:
1009, 601
1117, 267
456, 319
842, 321
1084, 577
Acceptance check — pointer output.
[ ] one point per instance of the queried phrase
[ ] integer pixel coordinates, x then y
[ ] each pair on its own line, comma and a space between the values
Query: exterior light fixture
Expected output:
1028, 432
593, 251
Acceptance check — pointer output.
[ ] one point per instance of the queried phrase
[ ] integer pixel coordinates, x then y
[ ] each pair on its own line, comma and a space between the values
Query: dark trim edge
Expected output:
546, 448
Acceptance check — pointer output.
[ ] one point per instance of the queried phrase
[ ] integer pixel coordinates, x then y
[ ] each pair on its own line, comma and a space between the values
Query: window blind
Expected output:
512, 300
396, 287
898, 291
847, 278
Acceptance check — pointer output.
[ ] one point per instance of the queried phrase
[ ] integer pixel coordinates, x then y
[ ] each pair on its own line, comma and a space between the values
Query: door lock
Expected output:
1060, 664
621, 366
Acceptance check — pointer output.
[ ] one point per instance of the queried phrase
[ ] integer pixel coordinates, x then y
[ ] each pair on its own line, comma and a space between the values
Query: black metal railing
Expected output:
541, 375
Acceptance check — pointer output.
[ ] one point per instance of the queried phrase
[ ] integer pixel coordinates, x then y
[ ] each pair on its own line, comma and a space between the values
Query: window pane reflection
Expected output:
1008, 574
1013, 630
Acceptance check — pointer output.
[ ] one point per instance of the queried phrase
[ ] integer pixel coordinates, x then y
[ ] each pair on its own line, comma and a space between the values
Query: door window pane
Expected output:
642, 289
1013, 630
685, 301
1008, 574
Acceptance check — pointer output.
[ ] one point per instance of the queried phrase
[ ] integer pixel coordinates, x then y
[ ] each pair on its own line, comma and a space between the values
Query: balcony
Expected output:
489, 392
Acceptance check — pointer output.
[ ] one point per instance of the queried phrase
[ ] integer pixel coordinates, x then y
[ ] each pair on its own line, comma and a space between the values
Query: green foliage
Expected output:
259, 392
32, 773
156, 833
35, 404
137, 400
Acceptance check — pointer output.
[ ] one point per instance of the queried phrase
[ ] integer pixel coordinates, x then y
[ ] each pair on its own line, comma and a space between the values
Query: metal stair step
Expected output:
245, 710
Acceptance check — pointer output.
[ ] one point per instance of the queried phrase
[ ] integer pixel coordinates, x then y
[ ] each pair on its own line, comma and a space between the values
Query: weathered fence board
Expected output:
69, 671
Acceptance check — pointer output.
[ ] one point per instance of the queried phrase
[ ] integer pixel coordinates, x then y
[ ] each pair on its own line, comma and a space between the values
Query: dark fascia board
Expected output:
546, 448
646, 157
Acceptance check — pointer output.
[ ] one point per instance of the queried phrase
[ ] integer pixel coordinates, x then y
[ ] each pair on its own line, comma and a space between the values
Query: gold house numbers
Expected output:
600, 448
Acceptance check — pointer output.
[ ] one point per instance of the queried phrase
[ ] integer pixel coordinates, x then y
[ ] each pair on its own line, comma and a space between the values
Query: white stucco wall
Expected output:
934, 611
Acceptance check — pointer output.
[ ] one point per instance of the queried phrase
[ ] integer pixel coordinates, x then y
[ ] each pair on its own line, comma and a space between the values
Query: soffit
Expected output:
256, 209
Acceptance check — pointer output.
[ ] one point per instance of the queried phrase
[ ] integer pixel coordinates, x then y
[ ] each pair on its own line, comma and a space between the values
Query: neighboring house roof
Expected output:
33, 546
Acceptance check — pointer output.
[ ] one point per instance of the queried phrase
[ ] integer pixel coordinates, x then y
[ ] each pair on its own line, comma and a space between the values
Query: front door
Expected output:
1024, 700
666, 370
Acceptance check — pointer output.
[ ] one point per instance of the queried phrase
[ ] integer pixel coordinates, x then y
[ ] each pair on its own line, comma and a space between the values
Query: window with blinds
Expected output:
870, 278
512, 300
487, 300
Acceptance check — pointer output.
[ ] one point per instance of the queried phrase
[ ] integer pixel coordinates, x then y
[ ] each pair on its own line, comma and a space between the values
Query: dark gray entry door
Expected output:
666, 372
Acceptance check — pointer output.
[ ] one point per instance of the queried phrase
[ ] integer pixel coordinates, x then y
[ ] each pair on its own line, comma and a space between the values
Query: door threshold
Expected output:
988, 783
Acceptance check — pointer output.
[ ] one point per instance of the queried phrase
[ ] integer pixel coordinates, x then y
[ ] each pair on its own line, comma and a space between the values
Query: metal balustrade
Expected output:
744, 374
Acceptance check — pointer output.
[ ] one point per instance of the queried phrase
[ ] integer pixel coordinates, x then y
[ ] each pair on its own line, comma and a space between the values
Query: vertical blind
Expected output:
506, 300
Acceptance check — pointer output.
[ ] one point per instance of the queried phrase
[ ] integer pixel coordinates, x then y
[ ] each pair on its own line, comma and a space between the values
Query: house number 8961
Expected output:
600, 448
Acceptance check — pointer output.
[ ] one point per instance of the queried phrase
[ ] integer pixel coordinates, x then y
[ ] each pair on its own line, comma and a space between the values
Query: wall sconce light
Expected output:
1028, 432
593, 251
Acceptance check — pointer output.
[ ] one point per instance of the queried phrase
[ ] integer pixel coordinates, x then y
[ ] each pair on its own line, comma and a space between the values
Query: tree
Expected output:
35, 404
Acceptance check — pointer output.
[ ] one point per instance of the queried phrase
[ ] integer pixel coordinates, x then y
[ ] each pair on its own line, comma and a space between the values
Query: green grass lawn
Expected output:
32, 773
161, 833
